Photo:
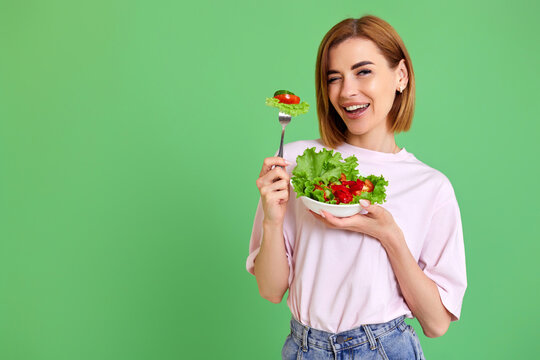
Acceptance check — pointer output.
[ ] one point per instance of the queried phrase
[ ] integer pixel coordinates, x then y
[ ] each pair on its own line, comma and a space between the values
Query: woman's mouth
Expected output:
355, 111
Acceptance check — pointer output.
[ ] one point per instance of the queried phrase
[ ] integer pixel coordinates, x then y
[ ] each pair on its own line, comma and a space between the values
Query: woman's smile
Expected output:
354, 111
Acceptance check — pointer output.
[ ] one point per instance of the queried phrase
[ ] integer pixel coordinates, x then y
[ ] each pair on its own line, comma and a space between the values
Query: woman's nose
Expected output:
349, 88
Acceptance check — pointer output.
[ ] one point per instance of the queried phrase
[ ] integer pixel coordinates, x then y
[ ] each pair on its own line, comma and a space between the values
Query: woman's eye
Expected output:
331, 80
363, 72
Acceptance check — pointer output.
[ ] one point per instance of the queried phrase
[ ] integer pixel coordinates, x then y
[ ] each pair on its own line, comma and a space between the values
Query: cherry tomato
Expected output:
288, 99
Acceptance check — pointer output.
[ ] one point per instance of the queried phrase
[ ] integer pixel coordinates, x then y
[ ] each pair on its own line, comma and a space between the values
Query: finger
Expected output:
339, 222
270, 162
358, 222
279, 185
278, 197
275, 175
365, 203
321, 218
272, 176
373, 211
273, 187
279, 172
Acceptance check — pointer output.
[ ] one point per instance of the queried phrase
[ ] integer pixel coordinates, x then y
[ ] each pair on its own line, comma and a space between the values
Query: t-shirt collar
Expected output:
373, 155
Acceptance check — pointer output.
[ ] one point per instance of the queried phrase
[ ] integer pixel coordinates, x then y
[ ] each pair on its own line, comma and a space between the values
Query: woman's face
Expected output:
362, 86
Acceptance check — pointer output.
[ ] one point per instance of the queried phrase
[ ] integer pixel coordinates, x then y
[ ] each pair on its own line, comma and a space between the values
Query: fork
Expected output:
284, 120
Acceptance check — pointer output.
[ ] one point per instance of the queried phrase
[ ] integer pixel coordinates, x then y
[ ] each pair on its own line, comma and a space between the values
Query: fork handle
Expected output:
280, 153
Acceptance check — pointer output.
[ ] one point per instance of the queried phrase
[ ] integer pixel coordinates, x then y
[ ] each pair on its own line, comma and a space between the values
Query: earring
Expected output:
401, 89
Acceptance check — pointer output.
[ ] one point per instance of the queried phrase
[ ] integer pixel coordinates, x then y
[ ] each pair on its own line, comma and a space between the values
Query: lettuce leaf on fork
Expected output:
326, 166
291, 109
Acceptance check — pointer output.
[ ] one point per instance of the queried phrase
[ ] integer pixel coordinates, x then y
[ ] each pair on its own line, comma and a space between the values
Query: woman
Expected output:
352, 281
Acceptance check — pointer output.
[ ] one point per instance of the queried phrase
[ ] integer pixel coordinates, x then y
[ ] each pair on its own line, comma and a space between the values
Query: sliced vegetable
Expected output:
288, 99
281, 92
368, 186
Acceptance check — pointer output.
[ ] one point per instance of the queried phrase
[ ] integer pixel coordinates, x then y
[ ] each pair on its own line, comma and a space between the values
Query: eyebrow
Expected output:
357, 65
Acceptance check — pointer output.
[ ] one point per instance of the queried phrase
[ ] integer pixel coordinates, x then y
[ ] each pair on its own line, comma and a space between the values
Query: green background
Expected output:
132, 133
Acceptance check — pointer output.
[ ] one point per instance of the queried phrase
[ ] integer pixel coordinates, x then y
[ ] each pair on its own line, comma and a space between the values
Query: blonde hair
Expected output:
331, 127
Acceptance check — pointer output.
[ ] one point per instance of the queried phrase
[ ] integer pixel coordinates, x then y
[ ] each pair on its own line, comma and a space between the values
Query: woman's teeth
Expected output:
356, 107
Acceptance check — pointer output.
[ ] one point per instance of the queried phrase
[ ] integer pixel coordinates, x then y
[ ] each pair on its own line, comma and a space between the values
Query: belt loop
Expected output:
304, 339
402, 325
371, 338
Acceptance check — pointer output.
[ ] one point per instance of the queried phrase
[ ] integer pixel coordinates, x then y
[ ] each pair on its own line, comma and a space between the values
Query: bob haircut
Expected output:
331, 127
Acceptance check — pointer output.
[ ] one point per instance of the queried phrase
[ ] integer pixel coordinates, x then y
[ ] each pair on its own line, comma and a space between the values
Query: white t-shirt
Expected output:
340, 279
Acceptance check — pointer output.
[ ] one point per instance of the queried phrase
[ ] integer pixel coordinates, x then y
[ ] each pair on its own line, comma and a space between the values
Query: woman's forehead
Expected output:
352, 51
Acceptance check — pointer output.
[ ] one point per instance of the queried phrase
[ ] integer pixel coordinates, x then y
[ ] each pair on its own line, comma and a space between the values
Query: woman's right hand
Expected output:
273, 184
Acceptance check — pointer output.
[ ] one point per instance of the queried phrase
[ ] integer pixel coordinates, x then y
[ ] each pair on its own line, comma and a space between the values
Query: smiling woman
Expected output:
353, 280
375, 50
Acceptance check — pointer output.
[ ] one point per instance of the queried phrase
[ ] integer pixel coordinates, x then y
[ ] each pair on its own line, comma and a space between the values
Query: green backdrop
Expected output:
132, 133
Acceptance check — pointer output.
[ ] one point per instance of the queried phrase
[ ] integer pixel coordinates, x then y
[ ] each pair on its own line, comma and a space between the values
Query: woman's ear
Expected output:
402, 75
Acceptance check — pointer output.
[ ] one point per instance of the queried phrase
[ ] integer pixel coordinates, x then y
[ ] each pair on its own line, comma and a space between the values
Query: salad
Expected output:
326, 177
287, 102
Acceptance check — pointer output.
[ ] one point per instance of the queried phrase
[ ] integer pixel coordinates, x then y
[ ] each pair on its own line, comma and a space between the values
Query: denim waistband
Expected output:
308, 336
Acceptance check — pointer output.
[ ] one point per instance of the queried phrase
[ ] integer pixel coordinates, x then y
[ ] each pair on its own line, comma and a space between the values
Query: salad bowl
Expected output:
325, 182
341, 210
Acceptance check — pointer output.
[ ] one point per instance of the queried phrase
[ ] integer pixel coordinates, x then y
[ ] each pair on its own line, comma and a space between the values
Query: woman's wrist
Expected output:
272, 223
393, 239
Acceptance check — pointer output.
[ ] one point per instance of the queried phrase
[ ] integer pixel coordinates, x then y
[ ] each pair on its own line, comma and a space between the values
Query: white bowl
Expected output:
342, 210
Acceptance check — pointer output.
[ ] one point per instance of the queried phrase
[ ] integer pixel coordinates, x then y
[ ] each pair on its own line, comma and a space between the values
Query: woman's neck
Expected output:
385, 144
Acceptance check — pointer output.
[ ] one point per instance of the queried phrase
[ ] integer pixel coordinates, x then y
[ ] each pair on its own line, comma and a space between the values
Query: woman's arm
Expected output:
420, 292
271, 265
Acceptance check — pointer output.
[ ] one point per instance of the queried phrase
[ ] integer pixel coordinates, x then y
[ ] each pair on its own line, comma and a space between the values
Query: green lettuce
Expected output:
326, 166
291, 109
378, 195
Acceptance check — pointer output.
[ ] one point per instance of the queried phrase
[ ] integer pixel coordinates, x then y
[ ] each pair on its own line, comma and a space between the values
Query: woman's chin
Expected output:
364, 126
357, 130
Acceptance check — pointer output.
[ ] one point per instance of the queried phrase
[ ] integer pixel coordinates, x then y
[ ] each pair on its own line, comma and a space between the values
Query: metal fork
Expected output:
284, 120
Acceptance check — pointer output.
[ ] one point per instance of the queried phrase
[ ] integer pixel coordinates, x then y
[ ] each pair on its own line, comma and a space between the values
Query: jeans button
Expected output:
340, 339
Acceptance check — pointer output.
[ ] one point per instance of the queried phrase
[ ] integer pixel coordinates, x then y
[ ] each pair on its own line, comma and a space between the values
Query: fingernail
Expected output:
365, 203
322, 214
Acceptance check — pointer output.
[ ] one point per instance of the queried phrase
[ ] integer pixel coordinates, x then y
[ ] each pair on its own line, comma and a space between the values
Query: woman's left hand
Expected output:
377, 223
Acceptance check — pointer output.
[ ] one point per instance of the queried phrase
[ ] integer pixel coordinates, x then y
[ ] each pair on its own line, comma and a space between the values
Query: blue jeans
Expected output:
392, 340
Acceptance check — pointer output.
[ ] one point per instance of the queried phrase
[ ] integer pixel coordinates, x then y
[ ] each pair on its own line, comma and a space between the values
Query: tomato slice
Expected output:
355, 186
342, 194
288, 99
368, 186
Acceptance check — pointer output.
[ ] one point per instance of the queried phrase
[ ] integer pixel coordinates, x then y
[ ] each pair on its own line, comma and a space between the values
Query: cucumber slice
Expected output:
281, 92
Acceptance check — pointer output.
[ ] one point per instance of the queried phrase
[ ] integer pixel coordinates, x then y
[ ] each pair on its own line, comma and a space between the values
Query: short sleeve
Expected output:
256, 239
443, 254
